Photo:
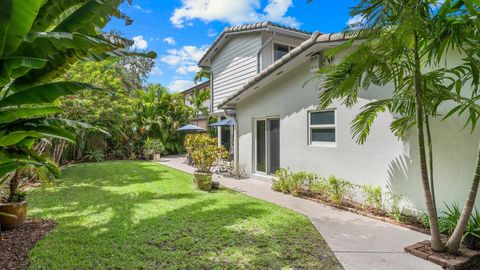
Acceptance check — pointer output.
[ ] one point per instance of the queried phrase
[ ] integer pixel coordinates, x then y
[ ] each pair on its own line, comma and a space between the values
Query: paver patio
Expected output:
358, 242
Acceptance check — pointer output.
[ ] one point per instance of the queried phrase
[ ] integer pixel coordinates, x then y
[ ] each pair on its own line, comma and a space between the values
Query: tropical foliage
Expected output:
204, 151
39, 40
405, 42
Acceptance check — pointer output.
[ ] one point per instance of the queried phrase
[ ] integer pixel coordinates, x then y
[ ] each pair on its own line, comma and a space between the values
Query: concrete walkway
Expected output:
358, 242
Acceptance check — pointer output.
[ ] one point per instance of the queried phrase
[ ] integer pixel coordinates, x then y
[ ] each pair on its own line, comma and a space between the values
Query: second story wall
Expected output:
233, 66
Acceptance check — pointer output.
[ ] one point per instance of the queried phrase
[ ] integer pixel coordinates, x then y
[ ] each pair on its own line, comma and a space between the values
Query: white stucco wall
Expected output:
383, 160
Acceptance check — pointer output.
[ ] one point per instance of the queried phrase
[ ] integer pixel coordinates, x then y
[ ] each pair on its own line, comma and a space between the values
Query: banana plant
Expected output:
39, 40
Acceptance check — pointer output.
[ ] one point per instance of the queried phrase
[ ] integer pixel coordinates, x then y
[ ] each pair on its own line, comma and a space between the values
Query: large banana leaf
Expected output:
53, 12
16, 137
13, 114
16, 19
14, 67
44, 93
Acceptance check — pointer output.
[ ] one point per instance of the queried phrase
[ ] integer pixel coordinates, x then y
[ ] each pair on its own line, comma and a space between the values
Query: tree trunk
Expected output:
430, 160
454, 242
13, 185
436, 241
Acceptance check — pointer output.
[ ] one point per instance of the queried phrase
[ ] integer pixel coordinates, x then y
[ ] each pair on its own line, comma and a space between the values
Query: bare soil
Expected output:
15, 244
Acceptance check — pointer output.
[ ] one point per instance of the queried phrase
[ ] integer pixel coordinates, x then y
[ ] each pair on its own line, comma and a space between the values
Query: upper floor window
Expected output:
322, 127
279, 50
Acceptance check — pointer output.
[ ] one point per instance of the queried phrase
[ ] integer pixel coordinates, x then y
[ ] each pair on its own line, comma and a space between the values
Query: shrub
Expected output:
338, 189
153, 146
204, 151
473, 227
373, 196
293, 183
394, 209
95, 155
282, 179
449, 218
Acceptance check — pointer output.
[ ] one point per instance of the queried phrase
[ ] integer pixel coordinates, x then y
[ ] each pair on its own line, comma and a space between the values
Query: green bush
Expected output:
153, 146
448, 219
293, 183
473, 227
394, 209
282, 179
373, 196
95, 155
338, 189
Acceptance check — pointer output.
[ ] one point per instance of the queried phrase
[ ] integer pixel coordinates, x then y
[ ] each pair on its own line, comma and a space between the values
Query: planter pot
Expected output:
203, 180
17, 209
156, 157
472, 242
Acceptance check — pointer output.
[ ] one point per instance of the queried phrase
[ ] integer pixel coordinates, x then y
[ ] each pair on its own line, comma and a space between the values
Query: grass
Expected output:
141, 215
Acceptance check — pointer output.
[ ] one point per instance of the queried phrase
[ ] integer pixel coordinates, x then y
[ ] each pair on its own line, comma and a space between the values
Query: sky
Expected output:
180, 31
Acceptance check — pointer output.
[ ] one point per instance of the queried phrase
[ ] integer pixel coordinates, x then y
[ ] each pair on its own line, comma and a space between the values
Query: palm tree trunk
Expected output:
430, 160
436, 241
454, 242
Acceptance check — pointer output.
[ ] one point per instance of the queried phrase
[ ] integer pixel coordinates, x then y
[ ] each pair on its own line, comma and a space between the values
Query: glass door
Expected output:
267, 145
260, 146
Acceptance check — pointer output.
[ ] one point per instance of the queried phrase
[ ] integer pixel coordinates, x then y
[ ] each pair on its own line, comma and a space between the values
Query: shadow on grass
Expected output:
139, 215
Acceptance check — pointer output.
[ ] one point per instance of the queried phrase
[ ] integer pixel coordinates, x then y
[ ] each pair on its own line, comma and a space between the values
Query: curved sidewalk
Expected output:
360, 243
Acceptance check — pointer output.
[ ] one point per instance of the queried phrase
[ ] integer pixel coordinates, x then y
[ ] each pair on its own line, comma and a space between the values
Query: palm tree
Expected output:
398, 40
197, 101
202, 74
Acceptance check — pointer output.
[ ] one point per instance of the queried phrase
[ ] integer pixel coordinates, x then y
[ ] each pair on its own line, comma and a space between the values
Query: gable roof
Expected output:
246, 28
196, 87
315, 39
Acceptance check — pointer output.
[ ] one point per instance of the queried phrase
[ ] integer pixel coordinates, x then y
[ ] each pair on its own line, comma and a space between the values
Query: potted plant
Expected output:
153, 148
471, 238
13, 207
204, 152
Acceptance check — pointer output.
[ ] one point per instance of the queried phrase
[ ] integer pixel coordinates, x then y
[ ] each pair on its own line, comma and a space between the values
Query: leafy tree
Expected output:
111, 110
39, 40
404, 42
158, 114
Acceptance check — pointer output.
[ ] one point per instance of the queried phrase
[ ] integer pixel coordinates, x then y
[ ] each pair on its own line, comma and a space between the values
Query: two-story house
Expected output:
264, 77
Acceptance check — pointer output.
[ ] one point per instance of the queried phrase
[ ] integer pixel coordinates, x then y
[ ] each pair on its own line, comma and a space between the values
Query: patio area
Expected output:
358, 242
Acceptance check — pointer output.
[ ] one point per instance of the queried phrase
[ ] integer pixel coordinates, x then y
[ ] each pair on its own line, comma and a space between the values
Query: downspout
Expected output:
261, 49
232, 115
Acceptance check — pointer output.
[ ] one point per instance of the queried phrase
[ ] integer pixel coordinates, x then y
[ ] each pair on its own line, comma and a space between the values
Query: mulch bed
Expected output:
15, 244
408, 222
466, 259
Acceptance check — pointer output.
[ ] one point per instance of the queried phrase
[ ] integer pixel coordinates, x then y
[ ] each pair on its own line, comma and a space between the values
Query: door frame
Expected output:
267, 145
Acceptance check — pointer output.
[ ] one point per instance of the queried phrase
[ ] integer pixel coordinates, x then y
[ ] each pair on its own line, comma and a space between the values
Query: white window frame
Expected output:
325, 126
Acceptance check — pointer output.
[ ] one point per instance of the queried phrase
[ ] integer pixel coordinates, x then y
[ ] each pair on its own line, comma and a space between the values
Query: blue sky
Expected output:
179, 31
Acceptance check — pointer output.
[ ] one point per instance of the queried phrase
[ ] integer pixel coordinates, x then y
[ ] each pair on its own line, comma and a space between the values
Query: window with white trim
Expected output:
321, 127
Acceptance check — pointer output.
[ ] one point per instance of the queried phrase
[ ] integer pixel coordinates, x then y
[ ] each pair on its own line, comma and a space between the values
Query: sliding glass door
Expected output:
267, 145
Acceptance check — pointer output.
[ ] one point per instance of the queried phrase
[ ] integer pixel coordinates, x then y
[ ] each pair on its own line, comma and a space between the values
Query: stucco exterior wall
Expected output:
384, 160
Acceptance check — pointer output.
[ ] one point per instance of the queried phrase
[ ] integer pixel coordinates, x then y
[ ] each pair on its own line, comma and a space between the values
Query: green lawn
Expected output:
141, 215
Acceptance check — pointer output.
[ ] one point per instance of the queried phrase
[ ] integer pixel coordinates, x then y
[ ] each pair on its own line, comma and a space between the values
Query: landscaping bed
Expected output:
466, 259
15, 244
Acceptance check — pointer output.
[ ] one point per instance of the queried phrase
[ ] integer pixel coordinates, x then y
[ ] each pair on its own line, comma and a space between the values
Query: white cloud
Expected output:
233, 12
139, 43
138, 7
184, 70
355, 19
180, 85
211, 33
169, 40
156, 71
185, 59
